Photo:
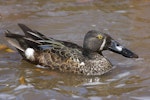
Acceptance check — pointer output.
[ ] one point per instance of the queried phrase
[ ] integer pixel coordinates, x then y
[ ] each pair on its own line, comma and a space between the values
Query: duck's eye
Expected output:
99, 37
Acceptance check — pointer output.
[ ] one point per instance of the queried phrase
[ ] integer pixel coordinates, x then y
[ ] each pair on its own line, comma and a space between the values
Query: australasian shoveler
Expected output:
65, 56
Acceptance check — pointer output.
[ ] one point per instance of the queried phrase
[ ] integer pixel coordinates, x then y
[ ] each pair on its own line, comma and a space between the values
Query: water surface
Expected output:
127, 21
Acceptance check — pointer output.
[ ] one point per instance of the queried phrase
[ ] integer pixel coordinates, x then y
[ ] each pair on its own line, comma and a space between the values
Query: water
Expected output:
125, 20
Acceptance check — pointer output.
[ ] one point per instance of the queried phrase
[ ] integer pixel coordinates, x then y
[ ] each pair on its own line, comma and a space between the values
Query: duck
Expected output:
64, 56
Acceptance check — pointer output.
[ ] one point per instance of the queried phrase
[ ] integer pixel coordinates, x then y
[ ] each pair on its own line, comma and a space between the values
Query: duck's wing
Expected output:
29, 33
39, 36
39, 42
71, 45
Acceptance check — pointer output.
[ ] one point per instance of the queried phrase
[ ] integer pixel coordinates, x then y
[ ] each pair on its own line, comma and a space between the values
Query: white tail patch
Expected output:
29, 53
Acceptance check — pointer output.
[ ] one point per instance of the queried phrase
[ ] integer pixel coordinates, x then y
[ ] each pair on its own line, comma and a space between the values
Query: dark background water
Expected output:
127, 21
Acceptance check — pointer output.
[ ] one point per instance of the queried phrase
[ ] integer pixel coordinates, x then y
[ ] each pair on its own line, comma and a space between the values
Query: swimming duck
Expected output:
66, 56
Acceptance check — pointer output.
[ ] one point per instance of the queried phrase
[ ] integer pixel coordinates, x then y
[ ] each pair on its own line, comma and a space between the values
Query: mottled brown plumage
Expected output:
66, 56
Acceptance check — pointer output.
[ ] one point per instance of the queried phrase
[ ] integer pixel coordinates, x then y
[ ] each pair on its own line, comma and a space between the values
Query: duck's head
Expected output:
97, 42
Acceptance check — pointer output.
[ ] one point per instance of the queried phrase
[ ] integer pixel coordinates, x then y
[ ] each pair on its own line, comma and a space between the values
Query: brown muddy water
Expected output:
127, 21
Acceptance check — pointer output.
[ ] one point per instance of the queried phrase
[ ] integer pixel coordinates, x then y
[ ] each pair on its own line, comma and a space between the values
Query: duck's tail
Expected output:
25, 42
17, 41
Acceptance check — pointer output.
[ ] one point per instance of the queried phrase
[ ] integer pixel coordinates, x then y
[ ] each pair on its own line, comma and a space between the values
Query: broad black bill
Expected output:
117, 48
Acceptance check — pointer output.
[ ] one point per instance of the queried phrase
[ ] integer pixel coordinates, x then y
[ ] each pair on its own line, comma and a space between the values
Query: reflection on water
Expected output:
127, 21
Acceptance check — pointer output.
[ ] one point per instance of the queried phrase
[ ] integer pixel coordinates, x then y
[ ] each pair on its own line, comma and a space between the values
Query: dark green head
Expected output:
97, 42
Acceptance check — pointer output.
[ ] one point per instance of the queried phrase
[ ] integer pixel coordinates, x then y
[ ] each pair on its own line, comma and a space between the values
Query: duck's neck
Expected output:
90, 54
